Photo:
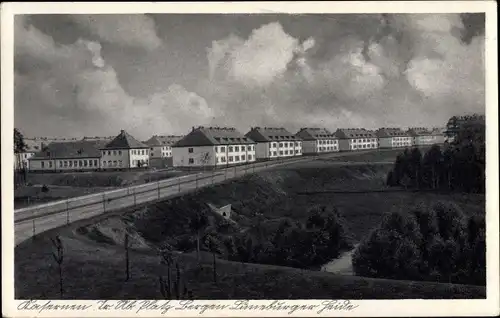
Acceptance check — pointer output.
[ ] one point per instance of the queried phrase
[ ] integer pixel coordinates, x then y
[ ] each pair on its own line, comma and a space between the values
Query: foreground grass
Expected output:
94, 271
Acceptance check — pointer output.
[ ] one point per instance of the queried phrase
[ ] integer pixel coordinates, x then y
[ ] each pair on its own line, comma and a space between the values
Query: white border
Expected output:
387, 308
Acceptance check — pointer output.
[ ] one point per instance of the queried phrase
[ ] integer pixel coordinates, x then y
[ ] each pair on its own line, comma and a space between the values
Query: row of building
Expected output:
210, 146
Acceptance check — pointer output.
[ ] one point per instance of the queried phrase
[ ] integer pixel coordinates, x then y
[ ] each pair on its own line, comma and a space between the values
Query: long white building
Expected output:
272, 143
317, 140
353, 139
82, 155
393, 138
213, 146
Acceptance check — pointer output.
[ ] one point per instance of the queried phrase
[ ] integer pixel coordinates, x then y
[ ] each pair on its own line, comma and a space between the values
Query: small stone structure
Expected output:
224, 211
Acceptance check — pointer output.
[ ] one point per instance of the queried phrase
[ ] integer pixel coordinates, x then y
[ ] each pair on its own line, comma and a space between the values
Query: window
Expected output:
249, 148
216, 159
104, 153
104, 163
84, 163
114, 152
216, 149
236, 158
142, 152
191, 161
60, 164
70, 164
236, 148
281, 152
120, 152
190, 150
114, 163
50, 164
120, 163
274, 153
274, 145
90, 163
43, 164
75, 163
223, 149
230, 149
79, 163
249, 157
281, 144
297, 151
109, 163
223, 159
151, 149
243, 158
230, 158
152, 154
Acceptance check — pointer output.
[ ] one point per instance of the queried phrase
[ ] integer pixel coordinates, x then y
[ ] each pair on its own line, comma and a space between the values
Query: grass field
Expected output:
97, 252
64, 185
36, 277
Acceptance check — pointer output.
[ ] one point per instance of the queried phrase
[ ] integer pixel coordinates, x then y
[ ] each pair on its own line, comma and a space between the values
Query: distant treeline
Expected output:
460, 166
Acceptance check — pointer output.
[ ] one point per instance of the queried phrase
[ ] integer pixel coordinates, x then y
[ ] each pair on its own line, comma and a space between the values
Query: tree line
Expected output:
437, 243
458, 166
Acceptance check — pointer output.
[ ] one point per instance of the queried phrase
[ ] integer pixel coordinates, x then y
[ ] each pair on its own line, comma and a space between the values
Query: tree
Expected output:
198, 224
432, 166
19, 144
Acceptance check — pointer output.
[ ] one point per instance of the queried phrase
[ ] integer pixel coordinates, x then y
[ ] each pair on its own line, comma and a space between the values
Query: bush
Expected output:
45, 188
439, 243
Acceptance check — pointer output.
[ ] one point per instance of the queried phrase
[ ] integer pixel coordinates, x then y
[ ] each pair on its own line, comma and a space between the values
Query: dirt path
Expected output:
341, 265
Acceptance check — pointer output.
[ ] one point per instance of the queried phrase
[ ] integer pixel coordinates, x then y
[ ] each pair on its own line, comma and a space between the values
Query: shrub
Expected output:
45, 188
435, 243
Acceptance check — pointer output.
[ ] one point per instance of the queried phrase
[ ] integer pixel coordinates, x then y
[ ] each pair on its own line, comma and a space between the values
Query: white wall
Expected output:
327, 145
138, 155
160, 151
42, 165
181, 156
309, 146
262, 150
69, 164
217, 155
22, 159
427, 140
114, 159
363, 143
401, 141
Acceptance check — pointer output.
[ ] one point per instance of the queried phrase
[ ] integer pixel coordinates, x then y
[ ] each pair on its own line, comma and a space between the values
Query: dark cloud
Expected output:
165, 73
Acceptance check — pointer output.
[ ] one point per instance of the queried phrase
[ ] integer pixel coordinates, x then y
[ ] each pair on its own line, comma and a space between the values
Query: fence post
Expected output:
67, 211
179, 184
34, 232
104, 202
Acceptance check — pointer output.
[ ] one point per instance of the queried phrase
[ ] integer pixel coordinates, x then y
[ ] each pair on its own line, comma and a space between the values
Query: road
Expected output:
37, 219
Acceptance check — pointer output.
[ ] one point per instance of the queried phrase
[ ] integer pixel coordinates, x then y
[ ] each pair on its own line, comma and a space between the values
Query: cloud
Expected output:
134, 30
77, 86
258, 60
409, 70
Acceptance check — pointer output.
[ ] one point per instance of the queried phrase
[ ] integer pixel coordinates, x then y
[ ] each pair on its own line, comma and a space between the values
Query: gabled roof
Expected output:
351, 133
211, 136
72, 149
124, 141
268, 134
419, 131
162, 140
391, 132
315, 134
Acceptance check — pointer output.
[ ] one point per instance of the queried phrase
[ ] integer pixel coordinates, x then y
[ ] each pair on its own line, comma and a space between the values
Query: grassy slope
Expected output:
97, 272
71, 184
271, 193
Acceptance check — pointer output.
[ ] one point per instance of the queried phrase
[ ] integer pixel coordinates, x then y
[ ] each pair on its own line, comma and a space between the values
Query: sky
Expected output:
93, 75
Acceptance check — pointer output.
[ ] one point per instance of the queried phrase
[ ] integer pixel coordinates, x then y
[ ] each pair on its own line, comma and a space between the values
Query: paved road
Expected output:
37, 219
